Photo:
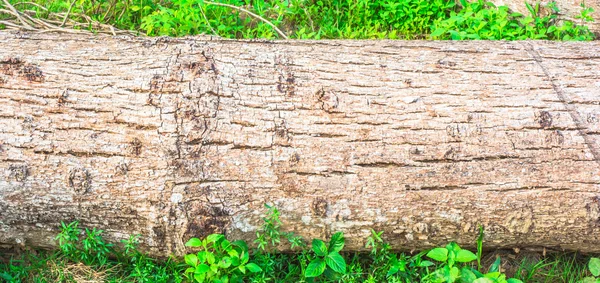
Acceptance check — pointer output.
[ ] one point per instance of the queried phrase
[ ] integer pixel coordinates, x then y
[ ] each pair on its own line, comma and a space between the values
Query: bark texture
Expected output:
175, 138
569, 9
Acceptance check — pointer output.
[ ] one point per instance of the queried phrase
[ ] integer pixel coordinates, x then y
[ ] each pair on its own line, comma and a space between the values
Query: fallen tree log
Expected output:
176, 138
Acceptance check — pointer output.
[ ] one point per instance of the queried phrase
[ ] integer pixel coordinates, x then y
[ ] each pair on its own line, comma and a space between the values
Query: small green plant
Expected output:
388, 266
379, 248
479, 247
218, 260
269, 235
451, 256
408, 268
277, 265
493, 276
92, 250
68, 239
585, 14
327, 259
594, 268
130, 246
380, 256
141, 268
483, 20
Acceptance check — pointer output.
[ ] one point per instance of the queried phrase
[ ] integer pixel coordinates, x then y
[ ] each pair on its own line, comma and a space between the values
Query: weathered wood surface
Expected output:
568, 9
174, 138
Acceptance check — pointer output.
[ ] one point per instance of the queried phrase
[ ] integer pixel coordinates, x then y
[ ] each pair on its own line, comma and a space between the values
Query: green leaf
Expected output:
319, 247
479, 246
477, 273
201, 256
336, 243
210, 258
199, 277
226, 245
235, 261
213, 238
439, 254
331, 276
194, 242
438, 32
201, 269
513, 280
6, 276
483, 280
233, 253
225, 262
253, 267
465, 256
242, 244
531, 10
466, 275
425, 263
452, 246
315, 268
495, 266
336, 262
191, 259
594, 266
134, 8
393, 270
245, 257
453, 274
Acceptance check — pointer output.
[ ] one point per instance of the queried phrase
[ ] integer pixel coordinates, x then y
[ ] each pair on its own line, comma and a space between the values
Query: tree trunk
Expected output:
176, 138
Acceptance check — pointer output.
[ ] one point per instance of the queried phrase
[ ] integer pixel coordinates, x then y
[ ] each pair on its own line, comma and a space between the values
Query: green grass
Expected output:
52, 266
322, 19
83, 254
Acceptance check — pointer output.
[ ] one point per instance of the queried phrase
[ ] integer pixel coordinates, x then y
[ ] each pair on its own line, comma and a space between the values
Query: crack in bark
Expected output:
442, 188
322, 173
566, 102
382, 164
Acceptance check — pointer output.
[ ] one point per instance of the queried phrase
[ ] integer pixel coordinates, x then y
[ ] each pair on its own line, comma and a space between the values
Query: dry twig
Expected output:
67, 15
251, 14
53, 22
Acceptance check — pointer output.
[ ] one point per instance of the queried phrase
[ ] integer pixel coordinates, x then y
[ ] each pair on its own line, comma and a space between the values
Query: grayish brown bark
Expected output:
175, 138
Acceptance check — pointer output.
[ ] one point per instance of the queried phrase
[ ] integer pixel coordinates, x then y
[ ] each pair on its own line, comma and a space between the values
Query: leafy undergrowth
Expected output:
83, 256
302, 19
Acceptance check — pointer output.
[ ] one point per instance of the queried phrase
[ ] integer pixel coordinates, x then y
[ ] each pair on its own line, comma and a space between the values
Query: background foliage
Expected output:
308, 19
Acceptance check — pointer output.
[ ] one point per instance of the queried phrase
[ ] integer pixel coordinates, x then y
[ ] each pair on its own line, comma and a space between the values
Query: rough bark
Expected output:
569, 10
175, 138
